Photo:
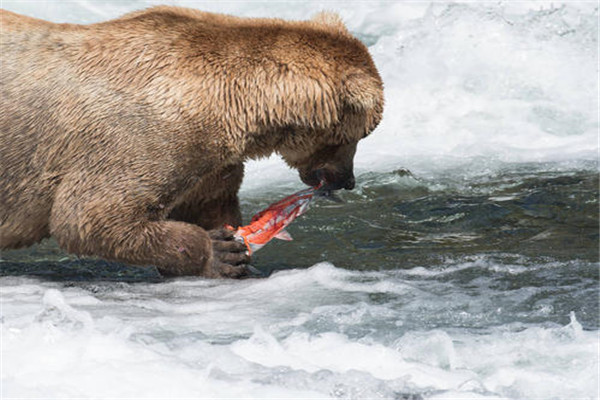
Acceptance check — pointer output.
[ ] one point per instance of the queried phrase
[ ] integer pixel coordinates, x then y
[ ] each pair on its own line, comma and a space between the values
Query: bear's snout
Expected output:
334, 180
350, 183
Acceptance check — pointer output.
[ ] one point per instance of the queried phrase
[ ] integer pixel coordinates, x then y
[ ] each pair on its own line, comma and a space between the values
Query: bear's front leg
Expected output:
213, 202
98, 223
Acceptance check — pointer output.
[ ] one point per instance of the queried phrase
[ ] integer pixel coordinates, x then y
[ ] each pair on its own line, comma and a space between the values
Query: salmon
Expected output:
271, 222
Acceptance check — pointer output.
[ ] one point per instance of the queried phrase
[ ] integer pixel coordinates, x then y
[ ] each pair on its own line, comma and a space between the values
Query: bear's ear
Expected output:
330, 20
362, 91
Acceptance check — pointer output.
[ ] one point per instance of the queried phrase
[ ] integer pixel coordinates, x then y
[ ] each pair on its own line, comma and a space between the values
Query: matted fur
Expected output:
125, 139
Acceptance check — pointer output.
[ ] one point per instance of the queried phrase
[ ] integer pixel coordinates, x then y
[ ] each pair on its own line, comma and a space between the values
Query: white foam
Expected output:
335, 352
310, 333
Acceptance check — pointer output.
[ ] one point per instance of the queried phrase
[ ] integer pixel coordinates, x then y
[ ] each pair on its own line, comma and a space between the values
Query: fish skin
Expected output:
271, 222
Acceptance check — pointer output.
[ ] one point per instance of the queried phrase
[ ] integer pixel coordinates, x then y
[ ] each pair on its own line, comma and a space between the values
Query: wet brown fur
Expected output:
126, 139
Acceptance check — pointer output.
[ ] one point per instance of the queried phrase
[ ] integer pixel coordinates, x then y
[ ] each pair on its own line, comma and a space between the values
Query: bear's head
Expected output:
307, 90
344, 105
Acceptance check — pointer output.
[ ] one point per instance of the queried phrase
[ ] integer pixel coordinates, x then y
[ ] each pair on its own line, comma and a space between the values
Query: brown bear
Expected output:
126, 139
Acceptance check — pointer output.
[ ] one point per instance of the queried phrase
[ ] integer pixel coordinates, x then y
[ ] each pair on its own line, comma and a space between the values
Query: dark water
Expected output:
397, 220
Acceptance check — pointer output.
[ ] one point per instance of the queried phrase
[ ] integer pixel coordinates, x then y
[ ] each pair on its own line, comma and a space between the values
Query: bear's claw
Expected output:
229, 255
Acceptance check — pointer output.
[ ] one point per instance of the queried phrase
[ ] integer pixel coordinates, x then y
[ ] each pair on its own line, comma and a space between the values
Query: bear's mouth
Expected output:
327, 180
324, 192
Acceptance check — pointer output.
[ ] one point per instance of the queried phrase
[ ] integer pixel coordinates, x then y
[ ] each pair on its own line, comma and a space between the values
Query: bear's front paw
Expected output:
229, 256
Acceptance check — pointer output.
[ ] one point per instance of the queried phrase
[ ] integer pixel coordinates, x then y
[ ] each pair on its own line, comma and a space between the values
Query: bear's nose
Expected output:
349, 185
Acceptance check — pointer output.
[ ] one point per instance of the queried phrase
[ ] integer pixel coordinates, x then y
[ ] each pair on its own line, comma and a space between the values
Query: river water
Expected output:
463, 265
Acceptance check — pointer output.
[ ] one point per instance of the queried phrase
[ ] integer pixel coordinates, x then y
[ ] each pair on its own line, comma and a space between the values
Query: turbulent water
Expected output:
464, 264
